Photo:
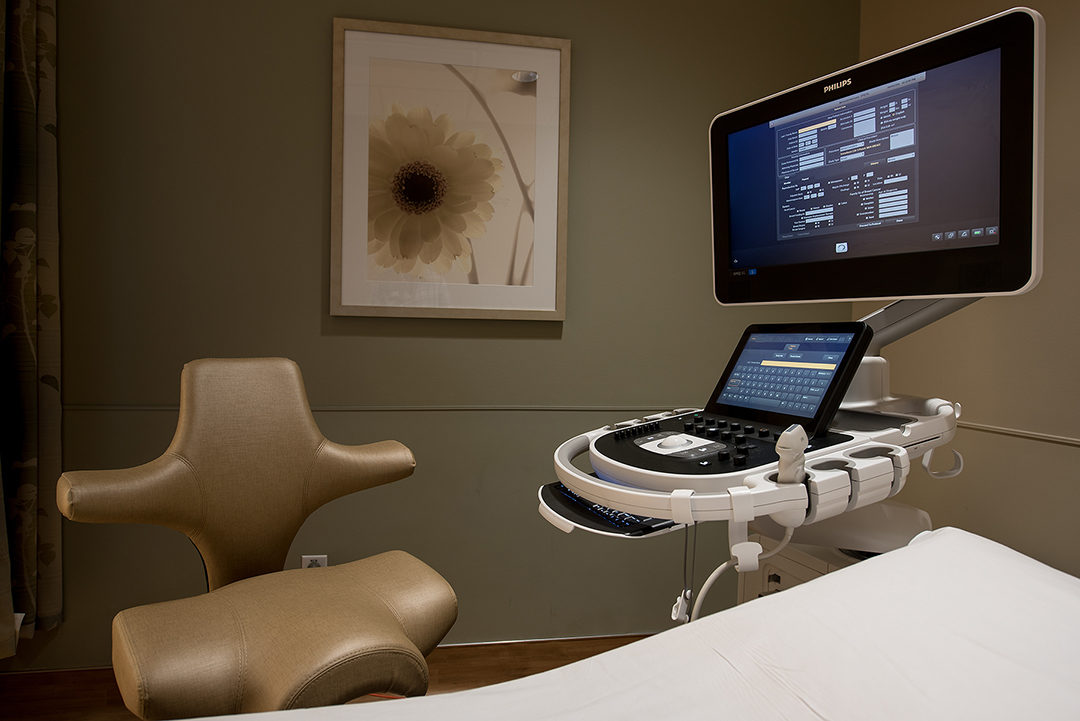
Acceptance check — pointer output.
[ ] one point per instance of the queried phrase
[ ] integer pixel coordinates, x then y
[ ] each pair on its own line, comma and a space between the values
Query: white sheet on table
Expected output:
951, 627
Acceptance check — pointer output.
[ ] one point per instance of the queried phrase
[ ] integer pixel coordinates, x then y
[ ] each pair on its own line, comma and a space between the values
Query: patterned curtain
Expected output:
29, 324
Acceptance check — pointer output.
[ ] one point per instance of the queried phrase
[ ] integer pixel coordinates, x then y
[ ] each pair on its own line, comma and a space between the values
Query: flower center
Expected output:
418, 187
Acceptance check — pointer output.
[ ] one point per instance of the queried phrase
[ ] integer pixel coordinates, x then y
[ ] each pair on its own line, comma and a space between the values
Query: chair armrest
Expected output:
339, 470
164, 492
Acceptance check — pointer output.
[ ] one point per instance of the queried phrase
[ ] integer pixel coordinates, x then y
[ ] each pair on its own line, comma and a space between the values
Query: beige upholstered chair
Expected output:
246, 467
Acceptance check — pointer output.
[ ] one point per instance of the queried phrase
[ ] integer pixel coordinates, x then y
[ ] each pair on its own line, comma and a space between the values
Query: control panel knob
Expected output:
725, 435
739, 459
712, 432
764, 432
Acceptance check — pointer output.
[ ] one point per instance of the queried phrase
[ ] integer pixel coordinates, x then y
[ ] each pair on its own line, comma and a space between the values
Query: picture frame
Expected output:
449, 173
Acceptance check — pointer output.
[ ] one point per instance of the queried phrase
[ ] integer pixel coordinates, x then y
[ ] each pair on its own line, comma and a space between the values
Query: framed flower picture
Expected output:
450, 152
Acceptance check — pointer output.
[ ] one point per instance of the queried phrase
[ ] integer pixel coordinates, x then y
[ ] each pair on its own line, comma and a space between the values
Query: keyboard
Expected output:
585, 513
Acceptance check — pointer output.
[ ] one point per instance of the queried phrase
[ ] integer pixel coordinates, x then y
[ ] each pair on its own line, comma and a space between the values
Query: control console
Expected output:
696, 443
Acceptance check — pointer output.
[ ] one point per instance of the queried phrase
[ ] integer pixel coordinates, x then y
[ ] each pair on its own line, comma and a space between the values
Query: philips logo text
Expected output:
837, 86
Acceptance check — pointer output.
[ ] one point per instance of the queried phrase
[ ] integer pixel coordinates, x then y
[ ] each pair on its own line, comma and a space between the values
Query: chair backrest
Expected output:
248, 437
246, 466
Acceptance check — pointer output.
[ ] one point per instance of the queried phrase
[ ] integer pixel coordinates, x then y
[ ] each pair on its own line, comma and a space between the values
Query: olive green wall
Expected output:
1010, 362
195, 201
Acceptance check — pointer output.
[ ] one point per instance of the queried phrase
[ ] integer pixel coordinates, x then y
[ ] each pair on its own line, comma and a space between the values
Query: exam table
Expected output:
952, 626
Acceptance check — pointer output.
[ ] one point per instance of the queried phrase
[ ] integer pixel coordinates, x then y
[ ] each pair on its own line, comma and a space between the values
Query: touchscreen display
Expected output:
788, 372
797, 373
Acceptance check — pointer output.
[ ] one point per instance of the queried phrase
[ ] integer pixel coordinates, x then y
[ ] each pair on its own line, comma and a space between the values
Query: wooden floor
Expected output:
91, 694
456, 668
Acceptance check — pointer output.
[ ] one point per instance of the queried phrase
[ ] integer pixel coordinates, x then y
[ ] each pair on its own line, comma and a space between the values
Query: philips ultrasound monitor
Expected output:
912, 175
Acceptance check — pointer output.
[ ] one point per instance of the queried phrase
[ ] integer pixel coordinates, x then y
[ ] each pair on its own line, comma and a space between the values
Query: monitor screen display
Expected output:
911, 175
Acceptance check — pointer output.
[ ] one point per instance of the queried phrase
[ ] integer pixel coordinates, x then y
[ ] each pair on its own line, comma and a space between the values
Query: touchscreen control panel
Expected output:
791, 373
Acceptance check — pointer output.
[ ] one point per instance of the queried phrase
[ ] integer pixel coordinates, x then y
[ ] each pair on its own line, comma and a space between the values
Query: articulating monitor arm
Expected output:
903, 317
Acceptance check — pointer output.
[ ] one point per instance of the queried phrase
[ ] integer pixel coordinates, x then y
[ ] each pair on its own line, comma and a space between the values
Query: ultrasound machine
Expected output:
914, 177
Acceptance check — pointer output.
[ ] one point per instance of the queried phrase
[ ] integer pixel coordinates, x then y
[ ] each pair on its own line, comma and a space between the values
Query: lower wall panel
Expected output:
469, 511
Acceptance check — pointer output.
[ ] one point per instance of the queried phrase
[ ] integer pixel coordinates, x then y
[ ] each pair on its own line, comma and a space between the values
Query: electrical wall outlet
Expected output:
313, 562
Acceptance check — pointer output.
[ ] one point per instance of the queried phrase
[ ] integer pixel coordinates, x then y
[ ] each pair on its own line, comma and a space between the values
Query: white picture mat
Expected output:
356, 289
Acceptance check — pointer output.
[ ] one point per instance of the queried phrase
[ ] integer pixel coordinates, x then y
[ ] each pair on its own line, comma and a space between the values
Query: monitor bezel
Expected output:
1011, 267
